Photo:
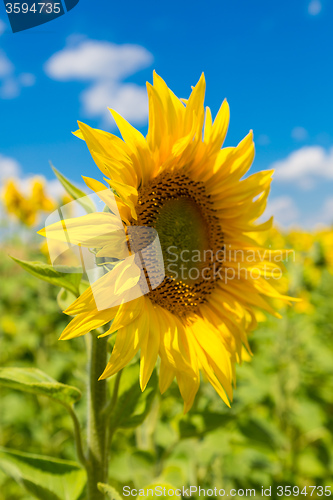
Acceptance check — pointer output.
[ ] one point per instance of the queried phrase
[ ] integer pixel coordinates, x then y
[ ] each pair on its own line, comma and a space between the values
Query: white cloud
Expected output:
27, 79
105, 65
11, 169
263, 140
284, 210
55, 189
310, 167
299, 134
314, 7
11, 83
10, 88
304, 166
128, 99
95, 60
321, 217
8, 168
326, 214
6, 67
2, 27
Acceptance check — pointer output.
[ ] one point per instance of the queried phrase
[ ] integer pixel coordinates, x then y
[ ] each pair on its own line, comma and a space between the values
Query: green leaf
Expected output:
44, 477
36, 382
64, 276
133, 405
199, 424
109, 491
76, 193
259, 431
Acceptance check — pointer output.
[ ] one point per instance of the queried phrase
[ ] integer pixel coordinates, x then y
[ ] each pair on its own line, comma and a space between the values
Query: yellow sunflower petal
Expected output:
91, 230
126, 314
127, 344
139, 147
115, 204
86, 322
115, 287
107, 151
149, 347
167, 374
209, 373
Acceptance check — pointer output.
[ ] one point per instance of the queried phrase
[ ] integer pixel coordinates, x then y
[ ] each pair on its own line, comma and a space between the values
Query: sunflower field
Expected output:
176, 344
277, 434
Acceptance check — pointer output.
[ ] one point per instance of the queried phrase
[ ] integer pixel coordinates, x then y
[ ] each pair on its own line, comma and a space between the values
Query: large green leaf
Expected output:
133, 405
36, 382
64, 276
44, 477
75, 192
109, 491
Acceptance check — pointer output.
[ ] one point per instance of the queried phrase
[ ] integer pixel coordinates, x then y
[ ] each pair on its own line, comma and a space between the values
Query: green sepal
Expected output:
37, 382
65, 298
44, 477
77, 194
64, 276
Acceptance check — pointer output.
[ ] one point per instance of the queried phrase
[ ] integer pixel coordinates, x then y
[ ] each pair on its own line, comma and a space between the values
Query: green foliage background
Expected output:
279, 430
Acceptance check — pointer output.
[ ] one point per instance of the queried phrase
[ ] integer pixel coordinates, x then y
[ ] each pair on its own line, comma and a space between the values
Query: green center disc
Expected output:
183, 235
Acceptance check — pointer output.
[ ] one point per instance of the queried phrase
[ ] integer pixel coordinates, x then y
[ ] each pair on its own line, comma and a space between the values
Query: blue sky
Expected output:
271, 60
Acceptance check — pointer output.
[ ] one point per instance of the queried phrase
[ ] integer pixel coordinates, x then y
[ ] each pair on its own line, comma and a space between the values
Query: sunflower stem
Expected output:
112, 402
97, 454
77, 434
111, 407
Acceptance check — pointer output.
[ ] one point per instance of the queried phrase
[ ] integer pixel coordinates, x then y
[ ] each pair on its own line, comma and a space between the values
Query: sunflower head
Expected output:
195, 195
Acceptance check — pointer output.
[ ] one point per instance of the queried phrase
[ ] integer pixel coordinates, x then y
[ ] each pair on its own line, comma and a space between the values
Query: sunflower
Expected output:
26, 208
180, 183
18, 205
39, 197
